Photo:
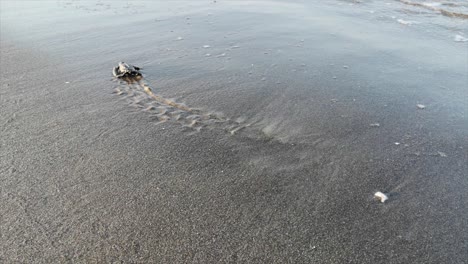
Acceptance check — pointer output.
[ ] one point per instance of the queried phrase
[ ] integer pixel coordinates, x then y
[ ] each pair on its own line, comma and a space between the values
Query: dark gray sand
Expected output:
286, 155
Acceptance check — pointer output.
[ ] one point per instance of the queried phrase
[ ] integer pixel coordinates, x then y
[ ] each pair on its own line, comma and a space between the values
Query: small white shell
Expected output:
420, 106
381, 196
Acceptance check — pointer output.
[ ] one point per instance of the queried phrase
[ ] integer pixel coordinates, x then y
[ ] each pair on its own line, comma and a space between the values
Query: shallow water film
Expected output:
258, 132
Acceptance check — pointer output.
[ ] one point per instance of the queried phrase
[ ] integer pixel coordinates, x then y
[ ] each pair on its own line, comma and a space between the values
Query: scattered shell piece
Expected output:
442, 154
381, 197
397, 143
221, 55
420, 106
345, 66
67, 82
334, 77
206, 46
406, 22
207, 55
374, 125
180, 38
460, 38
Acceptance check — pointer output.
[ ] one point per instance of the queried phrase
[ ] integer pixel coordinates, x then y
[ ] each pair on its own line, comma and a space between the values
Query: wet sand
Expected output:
283, 162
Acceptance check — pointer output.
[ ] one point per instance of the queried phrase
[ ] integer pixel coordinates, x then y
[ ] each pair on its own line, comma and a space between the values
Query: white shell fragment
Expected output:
420, 106
442, 154
406, 22
460, 38
381, 197
374, 125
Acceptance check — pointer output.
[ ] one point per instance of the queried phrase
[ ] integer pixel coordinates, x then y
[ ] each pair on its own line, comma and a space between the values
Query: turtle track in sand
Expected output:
141, 96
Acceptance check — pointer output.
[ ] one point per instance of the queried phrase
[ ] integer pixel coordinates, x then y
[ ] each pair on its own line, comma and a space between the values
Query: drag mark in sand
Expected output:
164, 109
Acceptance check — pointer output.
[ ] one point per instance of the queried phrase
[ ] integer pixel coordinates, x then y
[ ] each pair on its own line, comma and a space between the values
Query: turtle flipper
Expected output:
116, 72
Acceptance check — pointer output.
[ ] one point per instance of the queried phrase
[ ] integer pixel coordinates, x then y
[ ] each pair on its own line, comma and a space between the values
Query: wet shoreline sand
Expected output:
90, 174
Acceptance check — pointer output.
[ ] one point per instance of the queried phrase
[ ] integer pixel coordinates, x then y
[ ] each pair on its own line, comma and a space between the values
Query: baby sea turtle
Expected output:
126, 70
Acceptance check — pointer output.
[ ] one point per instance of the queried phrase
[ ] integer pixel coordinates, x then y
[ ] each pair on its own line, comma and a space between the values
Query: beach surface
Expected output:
269, 127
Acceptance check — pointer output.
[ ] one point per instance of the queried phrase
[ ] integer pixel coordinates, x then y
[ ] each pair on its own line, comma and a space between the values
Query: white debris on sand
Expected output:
442, 154
180, 38
420, 106
381, 197
406, 22
374, 125
206, 46
460, 38
397, 143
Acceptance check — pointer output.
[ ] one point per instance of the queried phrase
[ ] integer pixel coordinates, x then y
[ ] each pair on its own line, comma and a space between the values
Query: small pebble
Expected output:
397, 143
